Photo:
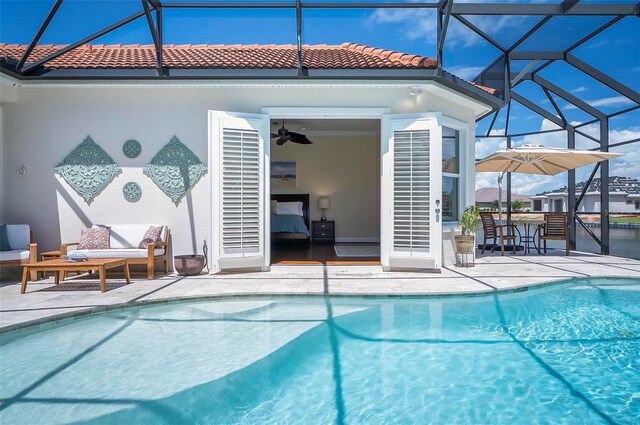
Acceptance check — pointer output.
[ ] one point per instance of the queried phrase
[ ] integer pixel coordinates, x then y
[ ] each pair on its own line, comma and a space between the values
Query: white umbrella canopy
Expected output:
538, 159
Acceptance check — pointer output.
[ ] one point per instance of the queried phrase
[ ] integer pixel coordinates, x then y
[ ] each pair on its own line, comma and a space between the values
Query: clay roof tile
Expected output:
236, 56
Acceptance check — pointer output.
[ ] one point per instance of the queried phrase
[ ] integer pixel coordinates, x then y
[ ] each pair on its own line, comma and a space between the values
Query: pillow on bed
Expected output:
289, 208
274, 207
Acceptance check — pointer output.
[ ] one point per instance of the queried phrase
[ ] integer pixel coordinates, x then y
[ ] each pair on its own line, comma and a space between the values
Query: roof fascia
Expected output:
480, 101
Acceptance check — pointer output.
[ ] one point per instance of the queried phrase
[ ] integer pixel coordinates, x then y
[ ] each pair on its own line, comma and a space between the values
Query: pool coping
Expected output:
88, 311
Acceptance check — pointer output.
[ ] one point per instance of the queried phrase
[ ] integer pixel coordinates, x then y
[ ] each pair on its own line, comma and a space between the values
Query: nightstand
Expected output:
323, 231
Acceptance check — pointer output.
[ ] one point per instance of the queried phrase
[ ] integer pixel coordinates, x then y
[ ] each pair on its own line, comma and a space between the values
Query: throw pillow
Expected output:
274, 207
94, 238
4, 239
151, 236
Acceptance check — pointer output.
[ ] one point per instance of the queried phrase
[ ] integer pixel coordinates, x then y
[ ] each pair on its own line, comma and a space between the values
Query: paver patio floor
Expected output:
81, 295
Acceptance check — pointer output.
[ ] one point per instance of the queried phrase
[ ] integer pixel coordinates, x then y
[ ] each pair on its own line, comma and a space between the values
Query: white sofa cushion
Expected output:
129, 235
117, 253
16, 254
19, 236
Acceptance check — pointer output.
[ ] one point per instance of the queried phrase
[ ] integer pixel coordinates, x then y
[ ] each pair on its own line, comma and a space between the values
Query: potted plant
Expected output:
465, 243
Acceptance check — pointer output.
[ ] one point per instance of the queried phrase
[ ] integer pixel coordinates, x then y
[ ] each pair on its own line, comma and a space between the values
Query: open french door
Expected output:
411, 219
239, 153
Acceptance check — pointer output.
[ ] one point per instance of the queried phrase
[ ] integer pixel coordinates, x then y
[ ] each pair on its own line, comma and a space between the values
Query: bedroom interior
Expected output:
337, 175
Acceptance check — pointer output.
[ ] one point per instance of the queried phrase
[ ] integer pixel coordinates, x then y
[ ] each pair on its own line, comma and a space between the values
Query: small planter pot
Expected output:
465, 244
188, 265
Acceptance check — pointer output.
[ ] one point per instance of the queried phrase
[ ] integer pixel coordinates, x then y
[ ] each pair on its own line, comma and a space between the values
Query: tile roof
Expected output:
219, 56
617, 184
490, 194
344, 56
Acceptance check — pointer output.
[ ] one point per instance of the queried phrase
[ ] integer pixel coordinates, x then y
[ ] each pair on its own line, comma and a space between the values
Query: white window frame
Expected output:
466, 165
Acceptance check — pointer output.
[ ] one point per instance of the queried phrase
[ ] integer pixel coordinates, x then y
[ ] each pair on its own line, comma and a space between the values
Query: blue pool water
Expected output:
565, 354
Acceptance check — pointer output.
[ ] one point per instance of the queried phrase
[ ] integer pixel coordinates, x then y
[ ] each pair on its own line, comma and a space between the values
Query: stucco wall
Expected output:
45, 124
4, 166
347, 171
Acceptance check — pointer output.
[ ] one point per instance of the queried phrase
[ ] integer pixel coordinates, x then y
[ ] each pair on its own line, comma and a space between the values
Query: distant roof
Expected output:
616, 184
490, 194
219, 56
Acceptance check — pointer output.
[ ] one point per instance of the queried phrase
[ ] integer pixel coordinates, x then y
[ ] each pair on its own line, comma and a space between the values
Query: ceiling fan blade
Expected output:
274, 135
282, 140
299, 138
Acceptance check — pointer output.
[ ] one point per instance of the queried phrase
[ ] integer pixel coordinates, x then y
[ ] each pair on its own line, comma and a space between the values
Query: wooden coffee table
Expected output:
61, 265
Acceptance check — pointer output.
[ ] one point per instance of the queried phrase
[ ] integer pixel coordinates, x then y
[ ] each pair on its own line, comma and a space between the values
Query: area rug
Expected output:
357, 250
82, 286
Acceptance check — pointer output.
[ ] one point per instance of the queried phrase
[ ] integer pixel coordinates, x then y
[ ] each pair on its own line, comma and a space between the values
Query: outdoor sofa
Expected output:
125, 242
22, 248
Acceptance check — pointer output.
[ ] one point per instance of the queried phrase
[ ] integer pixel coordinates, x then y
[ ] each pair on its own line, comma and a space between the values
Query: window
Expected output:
638, 205
450, 173
537, 204
558, 205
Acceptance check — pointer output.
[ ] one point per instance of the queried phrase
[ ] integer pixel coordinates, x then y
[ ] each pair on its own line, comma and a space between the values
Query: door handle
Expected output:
437, 206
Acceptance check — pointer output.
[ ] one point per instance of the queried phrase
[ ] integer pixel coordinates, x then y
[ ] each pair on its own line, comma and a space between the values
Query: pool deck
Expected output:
78, 296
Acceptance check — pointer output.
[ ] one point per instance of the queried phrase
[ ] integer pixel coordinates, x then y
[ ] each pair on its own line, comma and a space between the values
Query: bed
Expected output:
290, 227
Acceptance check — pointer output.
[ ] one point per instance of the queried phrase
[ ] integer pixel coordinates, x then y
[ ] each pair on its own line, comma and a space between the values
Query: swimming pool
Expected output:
562, 354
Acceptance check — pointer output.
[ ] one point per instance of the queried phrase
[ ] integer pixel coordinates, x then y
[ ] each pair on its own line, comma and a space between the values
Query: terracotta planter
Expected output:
188, 265
465, 244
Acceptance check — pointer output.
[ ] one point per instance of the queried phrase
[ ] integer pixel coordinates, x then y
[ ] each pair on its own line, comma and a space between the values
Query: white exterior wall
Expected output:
2, 163
46, 123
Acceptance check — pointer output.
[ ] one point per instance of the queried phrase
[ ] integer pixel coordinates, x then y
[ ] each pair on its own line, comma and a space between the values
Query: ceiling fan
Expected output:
284, 136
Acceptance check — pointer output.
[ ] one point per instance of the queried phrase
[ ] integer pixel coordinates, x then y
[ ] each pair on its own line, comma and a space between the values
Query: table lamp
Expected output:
323, 204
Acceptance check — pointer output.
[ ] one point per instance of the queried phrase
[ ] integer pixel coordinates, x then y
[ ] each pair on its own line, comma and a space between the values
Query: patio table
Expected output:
61, 266
528, 239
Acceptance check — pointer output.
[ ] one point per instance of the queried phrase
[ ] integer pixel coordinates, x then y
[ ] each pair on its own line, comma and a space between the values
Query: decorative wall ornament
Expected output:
132, 192
88, 169
132, 148
175, 169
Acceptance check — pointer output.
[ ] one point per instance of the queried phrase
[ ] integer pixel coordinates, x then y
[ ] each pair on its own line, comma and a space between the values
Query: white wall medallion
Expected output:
132, 192
131, 148
175, 169
88, 169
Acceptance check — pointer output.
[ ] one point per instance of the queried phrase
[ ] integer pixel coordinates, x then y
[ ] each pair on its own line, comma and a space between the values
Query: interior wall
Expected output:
345, 169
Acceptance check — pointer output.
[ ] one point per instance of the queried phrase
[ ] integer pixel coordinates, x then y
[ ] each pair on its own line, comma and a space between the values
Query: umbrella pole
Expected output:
500, 176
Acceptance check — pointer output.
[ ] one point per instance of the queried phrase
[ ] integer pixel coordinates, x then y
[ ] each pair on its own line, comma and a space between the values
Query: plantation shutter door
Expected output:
412, 187
239, 149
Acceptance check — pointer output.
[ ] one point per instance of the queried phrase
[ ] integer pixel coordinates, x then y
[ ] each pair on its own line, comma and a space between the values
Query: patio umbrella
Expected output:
537, 159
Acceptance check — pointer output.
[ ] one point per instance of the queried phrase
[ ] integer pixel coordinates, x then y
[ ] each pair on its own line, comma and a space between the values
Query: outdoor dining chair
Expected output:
554, 228
491, 230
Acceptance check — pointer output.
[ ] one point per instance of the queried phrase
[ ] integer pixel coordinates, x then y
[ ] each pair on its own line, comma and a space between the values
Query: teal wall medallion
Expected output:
132, 148
132, 192
88, 169
175, 169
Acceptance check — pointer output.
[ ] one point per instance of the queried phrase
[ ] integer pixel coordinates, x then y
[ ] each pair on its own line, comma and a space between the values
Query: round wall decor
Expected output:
132, 148
132, 192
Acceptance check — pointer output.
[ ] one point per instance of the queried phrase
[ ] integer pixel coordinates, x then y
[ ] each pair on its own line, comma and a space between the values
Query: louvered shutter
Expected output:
411, 190
239, 147
241, 175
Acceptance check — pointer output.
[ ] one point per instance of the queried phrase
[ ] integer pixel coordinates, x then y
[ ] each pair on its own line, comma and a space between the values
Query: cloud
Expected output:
607, 101
421, 24
579, 89
466, 72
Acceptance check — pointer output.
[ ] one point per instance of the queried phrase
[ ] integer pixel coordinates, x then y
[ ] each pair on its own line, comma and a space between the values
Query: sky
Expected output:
615, 51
